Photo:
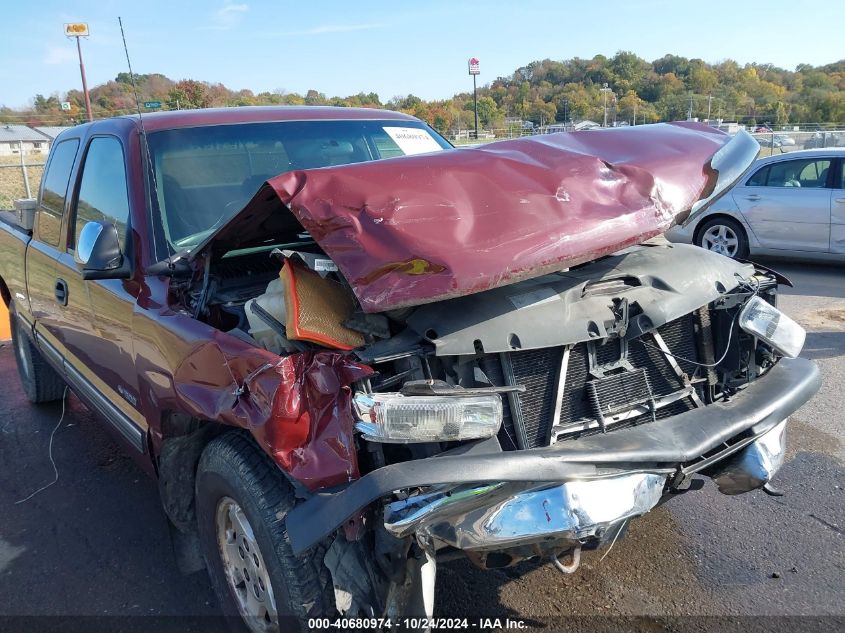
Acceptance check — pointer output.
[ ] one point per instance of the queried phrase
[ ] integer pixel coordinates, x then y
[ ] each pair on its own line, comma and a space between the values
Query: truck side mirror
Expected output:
98, 253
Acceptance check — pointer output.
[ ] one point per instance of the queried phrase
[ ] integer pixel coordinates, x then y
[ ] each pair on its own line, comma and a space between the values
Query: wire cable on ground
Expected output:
50, 453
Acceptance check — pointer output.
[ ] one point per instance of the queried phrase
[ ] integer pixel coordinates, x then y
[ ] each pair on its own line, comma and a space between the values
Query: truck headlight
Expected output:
769, 324
392, 417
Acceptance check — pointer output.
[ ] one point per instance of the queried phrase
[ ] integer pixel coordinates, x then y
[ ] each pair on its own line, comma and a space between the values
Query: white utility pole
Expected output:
605, 90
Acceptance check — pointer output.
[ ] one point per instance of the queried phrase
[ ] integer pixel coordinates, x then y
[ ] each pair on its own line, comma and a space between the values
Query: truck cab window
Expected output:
54, 191
103, 195
207, 174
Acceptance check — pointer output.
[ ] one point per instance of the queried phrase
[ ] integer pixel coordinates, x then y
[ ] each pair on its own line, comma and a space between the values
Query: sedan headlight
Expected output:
769, 324
392, 417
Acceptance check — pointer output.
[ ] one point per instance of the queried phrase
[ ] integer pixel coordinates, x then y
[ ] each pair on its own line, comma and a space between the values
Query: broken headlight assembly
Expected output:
761, 319
396, 418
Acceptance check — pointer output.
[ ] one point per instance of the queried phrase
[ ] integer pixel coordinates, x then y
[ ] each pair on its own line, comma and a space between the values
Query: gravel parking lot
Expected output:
96, 543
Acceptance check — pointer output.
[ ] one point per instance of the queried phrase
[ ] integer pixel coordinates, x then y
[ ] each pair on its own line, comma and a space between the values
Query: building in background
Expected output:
15, 139
51, 131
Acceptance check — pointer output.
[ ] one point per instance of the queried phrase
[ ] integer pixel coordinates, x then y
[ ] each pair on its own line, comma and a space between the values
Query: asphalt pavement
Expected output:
96, 543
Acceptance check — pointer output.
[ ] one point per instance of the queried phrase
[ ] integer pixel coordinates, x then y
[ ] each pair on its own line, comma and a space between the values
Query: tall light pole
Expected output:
77, 30
605, 90
474, 70
615, 108
709, 104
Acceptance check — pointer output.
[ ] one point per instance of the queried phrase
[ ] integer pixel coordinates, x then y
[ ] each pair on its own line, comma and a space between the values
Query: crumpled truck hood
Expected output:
418, 229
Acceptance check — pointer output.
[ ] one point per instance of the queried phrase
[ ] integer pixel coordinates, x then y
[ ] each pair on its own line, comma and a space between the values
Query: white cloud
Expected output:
56, 55
227, 16
339, 28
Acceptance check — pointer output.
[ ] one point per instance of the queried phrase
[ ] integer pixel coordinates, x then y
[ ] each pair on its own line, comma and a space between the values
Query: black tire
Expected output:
730, 224
40, 382
233, 467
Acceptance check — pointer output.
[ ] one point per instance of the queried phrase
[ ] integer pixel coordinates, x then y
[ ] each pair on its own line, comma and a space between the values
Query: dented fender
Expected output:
297, 407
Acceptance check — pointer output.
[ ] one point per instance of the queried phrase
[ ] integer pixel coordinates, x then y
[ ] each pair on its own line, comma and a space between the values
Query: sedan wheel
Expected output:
721, 239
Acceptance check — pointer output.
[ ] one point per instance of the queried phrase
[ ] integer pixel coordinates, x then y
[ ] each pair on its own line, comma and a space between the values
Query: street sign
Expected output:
152, 104
473, 66
65, 105
76, 29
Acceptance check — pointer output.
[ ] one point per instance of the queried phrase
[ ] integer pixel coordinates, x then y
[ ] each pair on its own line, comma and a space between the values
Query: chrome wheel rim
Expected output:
721, 239
243, 564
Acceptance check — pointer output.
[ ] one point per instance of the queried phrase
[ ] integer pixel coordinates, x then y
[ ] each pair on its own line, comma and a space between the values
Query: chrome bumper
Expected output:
479, 518
755, 465
506, 517
492, 485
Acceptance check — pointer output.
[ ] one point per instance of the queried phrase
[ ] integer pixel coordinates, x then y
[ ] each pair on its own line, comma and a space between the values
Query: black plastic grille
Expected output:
576, 404
619, 392
538, 371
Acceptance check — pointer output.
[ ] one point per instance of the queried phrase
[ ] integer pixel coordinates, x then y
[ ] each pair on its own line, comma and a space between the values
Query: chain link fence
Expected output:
770, 142
20, 177
782, 142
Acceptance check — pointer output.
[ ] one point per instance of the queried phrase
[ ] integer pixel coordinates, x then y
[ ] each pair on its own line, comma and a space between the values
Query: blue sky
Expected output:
391, 48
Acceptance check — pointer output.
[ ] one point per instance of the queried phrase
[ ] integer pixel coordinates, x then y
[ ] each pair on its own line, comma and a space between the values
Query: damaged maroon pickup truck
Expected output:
348, 351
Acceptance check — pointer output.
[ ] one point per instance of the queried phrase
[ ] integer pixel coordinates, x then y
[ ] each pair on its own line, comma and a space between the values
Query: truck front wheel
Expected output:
39, 380
242, 501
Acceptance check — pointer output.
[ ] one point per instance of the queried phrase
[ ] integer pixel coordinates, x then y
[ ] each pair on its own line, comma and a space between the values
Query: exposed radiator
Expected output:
539, 371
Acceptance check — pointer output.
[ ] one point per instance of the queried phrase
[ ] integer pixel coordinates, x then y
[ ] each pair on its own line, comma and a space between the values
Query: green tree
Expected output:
190, 94
488, 111
46, 104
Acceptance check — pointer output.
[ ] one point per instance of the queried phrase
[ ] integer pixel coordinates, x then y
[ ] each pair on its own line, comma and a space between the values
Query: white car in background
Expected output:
789, 205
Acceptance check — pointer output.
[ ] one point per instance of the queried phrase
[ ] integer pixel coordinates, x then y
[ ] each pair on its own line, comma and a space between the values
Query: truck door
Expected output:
99, 351
45, 301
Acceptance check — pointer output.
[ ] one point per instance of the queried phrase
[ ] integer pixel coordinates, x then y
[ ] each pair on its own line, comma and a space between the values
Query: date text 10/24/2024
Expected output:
378, 624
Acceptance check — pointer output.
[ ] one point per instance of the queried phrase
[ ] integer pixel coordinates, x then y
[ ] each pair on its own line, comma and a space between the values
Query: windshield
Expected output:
205, 175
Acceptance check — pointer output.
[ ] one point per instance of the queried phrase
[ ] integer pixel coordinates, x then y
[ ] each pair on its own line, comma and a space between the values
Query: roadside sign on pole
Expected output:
76, 29
474, 66
152, 104
65, 105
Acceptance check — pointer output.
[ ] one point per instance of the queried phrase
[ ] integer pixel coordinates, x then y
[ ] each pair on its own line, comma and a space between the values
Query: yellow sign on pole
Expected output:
76, 29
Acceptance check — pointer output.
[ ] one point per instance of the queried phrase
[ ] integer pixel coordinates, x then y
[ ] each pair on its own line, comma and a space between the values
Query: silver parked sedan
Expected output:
787, 205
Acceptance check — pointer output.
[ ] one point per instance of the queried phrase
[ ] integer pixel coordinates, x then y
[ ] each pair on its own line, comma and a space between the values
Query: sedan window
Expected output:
759, 178
805, 173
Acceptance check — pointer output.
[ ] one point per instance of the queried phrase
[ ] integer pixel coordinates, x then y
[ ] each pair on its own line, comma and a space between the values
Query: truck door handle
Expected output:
840, 200
753, 196
61, 291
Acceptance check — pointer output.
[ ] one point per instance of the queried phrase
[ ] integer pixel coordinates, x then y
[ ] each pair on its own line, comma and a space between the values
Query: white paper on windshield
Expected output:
413, 140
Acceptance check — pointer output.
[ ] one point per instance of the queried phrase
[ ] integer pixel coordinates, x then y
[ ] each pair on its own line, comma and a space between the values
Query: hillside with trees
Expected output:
669, 88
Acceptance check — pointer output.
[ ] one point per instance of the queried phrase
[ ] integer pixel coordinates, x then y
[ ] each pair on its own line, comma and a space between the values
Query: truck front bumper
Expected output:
479, 497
